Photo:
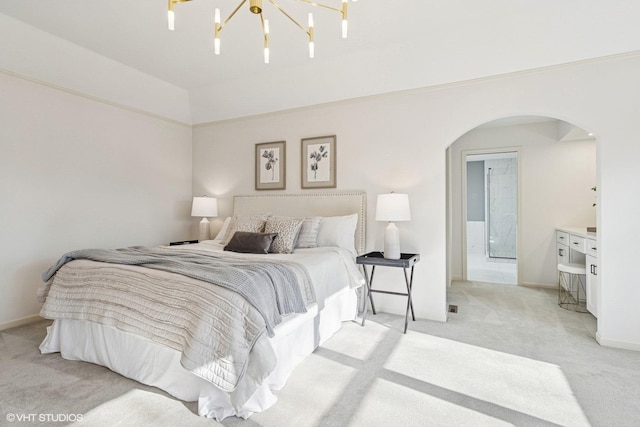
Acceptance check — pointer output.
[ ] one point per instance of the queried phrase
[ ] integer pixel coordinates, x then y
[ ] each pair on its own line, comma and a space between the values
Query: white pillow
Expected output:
338, 231
223, 230
308, 236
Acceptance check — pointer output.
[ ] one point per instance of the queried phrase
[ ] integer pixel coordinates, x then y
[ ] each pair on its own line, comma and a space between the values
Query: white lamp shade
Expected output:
393, 207
204, 207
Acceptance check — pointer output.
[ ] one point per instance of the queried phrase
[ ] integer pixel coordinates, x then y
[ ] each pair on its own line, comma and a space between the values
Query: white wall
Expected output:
75, 173
398, 142
555, 190
44, 57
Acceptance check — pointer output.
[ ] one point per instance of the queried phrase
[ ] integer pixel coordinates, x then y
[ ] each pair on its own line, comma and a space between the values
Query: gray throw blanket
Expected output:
269, 287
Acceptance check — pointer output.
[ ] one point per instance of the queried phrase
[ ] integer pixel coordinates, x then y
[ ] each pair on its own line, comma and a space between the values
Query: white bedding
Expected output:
330, 268
334, 277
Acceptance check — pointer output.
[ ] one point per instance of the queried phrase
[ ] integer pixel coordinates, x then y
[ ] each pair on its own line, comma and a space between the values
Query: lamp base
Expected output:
391, 242
203, 231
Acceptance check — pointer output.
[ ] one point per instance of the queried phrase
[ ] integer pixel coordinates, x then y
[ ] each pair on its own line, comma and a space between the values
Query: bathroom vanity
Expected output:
578, 246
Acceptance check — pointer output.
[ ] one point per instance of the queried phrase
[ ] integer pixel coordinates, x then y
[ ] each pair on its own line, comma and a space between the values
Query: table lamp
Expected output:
392, 207
204, 207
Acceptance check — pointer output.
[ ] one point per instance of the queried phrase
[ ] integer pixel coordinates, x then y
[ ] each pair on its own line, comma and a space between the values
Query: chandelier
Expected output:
255, 7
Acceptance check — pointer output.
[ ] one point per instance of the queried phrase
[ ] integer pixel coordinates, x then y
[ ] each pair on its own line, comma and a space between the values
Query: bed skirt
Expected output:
159, 366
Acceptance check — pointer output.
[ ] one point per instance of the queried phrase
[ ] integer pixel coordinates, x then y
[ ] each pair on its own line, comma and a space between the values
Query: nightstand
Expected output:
377, 259
183, 242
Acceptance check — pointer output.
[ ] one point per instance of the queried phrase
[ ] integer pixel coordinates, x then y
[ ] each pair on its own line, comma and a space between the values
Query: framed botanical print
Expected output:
319, 162
271, 166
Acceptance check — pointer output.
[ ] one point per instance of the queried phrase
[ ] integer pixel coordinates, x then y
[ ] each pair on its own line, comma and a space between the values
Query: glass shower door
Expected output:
502, 207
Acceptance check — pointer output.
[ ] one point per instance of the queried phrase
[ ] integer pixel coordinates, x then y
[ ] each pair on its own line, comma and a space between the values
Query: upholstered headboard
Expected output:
309, 204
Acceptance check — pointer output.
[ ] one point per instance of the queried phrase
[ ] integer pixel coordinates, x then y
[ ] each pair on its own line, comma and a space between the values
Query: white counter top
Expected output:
579, 231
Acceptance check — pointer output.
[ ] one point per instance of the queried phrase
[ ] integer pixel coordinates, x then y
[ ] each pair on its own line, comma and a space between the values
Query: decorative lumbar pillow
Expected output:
338, 231
308, 235
250, 243
252, 224
287, 230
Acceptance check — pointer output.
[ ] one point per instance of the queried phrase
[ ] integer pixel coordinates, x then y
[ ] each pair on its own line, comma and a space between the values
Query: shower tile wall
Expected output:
502, 202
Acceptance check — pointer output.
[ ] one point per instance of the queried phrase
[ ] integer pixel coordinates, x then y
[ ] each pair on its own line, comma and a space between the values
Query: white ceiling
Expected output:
393, 45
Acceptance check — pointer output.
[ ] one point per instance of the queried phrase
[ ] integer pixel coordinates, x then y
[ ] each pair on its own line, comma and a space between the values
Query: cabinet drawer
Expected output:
562, 254
577, 243
592, 247
562, 237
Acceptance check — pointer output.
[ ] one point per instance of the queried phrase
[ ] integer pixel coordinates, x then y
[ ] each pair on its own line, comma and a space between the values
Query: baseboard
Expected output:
455, 279
617, 344
524, 284
19, 322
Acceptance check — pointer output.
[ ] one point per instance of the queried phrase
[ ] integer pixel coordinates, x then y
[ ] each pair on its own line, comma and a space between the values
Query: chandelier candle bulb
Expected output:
171, 16
216, 41
266, 41
345, 24
312, 50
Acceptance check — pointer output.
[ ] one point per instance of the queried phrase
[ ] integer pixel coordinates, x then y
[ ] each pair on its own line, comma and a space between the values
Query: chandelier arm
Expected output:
265, 30
232, 13
172, 2
288, 16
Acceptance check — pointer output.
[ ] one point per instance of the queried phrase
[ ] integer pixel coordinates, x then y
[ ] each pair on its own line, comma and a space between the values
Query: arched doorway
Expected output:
556, 174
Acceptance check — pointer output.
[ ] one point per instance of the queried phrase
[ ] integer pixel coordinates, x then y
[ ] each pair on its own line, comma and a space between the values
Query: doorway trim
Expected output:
463, 169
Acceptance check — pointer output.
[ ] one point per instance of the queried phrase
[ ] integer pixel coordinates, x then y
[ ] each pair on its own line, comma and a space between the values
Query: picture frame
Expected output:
271, 165
319, 162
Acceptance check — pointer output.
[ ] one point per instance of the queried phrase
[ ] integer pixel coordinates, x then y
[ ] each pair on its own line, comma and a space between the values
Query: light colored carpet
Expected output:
510, 356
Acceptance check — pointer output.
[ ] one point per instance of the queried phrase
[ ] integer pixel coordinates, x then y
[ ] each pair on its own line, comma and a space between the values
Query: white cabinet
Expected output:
577, 243
578, 246
593, 283
562, 247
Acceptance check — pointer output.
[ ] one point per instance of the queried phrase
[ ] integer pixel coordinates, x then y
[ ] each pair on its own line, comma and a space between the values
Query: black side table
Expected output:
376, 259
183, 242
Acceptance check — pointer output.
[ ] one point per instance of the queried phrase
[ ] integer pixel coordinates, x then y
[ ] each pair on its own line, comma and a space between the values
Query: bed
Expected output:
192, 335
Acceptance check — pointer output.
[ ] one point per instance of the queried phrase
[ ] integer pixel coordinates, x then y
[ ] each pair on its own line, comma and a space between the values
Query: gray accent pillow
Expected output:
253, 224
287, 230
250, 243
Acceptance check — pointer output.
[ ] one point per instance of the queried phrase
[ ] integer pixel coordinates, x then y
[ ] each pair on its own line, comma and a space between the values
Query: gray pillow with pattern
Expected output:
287, 230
